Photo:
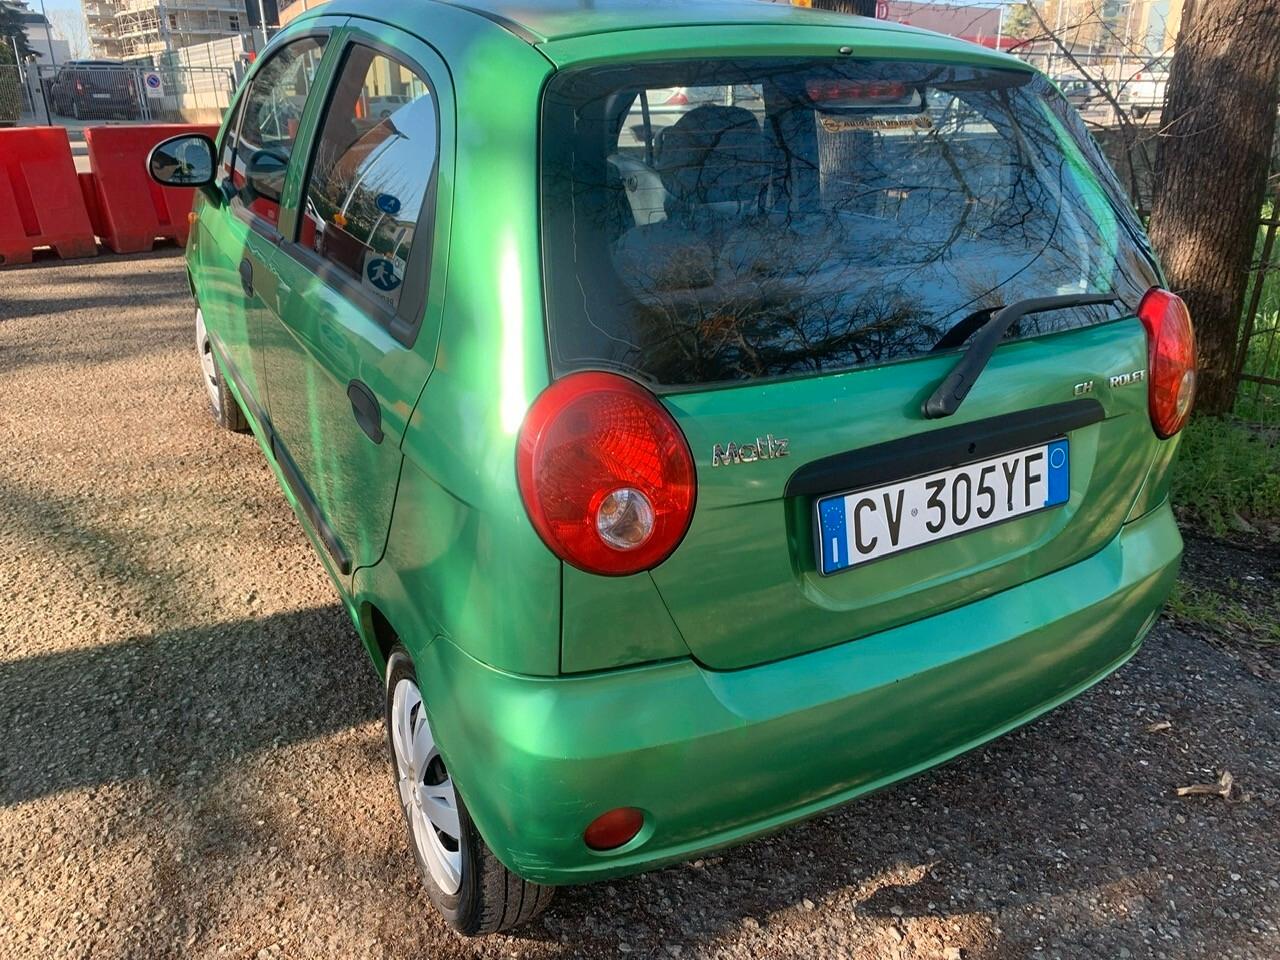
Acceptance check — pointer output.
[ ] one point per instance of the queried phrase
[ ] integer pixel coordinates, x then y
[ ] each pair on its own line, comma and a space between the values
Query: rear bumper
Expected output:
714, 758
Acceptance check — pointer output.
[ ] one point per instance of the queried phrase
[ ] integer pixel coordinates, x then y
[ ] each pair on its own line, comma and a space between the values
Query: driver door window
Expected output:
268, 128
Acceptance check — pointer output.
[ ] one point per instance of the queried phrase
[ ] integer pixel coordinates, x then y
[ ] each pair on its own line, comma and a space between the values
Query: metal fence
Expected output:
13, 101
1258, 353
79, 91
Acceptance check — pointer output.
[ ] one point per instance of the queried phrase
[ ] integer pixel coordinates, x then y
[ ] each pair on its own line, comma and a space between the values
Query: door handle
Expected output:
364, 405
246, 276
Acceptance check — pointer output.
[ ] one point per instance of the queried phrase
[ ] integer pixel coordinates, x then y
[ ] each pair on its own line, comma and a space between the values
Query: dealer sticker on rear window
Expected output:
854, 528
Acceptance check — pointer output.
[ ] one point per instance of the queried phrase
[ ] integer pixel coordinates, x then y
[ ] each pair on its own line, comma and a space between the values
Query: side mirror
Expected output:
185, 161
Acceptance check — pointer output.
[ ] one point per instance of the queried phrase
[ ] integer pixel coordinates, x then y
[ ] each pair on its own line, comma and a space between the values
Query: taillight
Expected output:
79, 87
1171, 364
677, 99
605, 474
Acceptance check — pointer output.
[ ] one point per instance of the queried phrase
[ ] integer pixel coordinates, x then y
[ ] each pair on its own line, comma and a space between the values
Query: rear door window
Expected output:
739, 220
374, 163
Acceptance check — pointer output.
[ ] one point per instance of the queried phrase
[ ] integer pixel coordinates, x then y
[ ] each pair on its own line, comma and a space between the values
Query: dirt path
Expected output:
191, 760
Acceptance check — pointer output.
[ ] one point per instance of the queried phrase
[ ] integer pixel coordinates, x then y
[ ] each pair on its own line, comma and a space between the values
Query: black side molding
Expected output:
310, 507
940, 449
299, 489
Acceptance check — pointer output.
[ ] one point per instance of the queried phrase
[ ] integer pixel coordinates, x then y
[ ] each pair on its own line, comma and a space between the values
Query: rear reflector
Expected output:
613, 829
1171, 362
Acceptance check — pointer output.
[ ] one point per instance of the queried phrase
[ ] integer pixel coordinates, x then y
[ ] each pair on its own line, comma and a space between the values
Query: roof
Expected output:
542, 20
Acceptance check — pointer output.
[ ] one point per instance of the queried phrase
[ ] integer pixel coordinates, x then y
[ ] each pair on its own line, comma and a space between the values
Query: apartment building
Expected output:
291, 8
134, 29
1129, 27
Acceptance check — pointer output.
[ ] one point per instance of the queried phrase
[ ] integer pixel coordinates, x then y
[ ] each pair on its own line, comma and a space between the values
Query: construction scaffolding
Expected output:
140, 29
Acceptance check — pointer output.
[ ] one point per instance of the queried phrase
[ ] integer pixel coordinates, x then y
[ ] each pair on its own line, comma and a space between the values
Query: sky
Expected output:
52, 5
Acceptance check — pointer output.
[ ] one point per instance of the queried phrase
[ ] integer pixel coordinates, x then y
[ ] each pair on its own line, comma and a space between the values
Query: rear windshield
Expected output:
709, 222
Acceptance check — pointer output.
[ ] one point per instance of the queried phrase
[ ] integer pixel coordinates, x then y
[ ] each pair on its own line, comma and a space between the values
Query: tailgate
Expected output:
800, 250
744, 586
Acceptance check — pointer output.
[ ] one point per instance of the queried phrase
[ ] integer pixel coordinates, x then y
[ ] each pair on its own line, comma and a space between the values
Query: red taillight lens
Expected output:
613, 829
677, 99
605, 473
1171, 365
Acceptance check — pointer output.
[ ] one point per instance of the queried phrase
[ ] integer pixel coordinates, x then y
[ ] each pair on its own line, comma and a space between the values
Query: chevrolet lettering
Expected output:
1124, 379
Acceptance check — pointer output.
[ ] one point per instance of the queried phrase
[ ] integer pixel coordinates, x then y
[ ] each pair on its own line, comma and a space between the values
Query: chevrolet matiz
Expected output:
708, 412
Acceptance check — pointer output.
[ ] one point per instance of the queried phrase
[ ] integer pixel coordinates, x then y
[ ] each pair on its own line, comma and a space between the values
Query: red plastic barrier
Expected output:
40, 200
89, 191
135, 210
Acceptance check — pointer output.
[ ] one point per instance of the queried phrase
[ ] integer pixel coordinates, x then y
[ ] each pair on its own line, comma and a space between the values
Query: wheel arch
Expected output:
377, 634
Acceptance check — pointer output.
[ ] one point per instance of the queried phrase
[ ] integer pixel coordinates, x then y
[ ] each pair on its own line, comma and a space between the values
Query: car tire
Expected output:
470, 887
222, 402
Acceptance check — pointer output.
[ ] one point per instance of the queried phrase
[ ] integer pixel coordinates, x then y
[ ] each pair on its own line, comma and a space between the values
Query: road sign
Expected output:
154, 84
382, 274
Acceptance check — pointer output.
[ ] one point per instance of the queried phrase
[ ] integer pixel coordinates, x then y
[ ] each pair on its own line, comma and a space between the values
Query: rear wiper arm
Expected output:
955, 387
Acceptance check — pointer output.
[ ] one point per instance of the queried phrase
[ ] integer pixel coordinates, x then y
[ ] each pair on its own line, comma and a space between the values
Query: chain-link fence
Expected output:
1258, 356
13, 104
89, 91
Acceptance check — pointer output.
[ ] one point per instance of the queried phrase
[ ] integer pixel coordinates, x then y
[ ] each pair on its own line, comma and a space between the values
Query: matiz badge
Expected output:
768, 448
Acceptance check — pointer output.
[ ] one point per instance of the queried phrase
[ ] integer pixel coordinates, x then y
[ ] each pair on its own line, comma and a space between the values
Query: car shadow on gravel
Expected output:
181, 703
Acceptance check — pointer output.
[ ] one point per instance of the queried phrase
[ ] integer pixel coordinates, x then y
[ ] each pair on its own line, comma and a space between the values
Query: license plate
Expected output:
102, 96
855, 528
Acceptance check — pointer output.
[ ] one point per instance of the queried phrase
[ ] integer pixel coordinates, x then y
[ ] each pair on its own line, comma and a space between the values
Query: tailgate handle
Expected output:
934, 450
365, 408
246, 276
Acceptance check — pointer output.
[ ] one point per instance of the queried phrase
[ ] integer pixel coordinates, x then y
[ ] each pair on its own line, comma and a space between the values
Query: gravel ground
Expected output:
192, 764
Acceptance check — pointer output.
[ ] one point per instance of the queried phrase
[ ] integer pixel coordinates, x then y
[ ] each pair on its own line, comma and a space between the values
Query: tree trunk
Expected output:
866, 8
1211, 168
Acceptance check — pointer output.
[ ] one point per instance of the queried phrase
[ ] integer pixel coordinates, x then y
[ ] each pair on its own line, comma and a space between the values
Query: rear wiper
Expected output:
951, 392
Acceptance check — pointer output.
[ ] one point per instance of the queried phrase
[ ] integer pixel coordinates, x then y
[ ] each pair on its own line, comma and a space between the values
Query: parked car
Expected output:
1078, 91
669, 524
95, 90
1143, 92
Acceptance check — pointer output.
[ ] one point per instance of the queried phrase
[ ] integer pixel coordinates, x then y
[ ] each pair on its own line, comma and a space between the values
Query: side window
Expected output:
268, 127
374, 162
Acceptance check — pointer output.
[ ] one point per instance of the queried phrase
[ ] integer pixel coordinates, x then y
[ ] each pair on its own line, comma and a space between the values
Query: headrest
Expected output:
715, 155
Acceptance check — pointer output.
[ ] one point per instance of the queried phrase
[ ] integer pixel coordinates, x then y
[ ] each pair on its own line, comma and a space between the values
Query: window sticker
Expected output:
919, 121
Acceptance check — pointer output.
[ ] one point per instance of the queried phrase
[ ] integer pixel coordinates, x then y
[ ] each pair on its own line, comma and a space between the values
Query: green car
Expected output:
708, 412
